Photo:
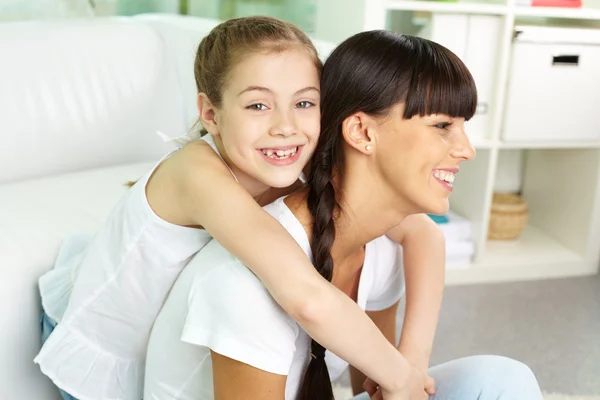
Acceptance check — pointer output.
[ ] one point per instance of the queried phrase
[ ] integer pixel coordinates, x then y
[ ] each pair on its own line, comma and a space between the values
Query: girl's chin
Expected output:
282, 182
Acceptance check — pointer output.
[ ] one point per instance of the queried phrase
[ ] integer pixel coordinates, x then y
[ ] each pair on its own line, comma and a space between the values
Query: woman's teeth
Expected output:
280, 154
445, 176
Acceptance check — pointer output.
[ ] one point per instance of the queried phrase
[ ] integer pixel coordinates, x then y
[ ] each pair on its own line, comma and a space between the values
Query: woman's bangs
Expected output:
441, 84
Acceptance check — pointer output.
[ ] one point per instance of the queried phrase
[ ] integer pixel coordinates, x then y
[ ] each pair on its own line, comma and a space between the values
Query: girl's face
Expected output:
419, 157
269, 120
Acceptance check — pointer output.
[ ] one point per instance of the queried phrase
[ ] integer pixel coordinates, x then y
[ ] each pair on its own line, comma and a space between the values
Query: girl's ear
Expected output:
207, 112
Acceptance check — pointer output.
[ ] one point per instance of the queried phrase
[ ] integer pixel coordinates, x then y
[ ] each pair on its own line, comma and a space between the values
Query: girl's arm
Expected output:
424, 254
227, 211
385, 320
418, 381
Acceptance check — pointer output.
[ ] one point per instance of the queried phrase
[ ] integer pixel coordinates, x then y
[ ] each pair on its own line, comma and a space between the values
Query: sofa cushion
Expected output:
35, 217
84, 94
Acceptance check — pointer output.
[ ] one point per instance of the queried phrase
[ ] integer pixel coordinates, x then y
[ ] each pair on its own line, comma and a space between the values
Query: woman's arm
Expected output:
234, 380
424, 252
239, 224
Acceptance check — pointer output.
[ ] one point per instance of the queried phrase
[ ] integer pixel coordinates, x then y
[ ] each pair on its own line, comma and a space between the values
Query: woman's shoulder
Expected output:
227, 296
385, 253
383, 268
223, 278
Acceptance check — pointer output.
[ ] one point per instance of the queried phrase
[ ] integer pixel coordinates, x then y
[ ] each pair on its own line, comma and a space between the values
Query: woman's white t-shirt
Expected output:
106, 293
217, 303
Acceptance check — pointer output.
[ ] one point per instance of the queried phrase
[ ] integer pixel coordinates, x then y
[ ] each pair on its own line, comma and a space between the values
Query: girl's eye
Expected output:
304, 104
443, 125
257, 107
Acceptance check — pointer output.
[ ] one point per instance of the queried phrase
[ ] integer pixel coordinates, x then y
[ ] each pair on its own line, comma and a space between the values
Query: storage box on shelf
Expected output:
559, 177
508, 216
549, 3
550, 95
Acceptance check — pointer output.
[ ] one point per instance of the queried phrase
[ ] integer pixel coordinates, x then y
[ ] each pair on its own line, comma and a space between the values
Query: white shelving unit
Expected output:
560, 180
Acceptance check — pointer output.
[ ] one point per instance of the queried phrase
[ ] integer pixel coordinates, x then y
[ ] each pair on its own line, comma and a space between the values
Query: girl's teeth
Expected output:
280, 153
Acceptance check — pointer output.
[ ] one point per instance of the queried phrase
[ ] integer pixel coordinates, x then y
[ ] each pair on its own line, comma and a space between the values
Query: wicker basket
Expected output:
508, 216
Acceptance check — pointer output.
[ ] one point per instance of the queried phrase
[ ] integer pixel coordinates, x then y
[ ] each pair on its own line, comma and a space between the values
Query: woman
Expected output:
392, 139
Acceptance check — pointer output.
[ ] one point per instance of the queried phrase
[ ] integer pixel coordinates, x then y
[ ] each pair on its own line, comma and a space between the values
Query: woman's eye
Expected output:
257, 107
304, 104
443, 125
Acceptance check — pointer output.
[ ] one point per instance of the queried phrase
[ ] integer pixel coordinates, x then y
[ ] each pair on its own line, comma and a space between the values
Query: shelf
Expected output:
443, 7
534, 256
533, 247
472, 274
493, 9
550, 145
557, 12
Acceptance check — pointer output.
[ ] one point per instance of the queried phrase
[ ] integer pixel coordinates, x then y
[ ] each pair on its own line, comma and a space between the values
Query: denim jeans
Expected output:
48, 325
482, 378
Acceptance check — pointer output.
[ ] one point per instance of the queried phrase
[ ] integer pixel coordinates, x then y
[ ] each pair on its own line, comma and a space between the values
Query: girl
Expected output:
258, 85
389, 146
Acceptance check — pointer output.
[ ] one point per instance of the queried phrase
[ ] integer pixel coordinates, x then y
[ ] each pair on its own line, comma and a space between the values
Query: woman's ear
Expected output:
358, 131
208, 114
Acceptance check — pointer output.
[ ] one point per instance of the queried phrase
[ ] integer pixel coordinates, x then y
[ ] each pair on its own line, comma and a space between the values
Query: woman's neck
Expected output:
366, 212
368, 209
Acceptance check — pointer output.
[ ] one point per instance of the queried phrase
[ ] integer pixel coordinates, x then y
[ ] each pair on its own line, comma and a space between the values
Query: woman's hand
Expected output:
381, 395
421, 385
378, 393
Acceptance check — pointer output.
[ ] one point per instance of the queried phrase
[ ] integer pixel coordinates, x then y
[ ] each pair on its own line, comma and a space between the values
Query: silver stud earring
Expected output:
368, 148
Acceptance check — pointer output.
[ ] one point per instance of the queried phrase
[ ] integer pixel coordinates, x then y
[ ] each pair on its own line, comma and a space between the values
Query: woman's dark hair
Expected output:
371, 72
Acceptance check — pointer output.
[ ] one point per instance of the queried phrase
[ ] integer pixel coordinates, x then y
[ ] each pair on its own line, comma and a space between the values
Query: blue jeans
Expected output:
482, 378
48, 325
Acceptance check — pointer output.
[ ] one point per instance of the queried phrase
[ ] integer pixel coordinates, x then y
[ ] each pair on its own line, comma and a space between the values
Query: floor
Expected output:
552, 325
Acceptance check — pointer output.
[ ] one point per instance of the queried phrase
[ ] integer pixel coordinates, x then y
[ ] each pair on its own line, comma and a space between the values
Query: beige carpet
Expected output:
344, 393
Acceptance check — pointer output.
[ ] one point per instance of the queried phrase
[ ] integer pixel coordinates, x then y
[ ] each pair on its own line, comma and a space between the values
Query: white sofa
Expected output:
80, 102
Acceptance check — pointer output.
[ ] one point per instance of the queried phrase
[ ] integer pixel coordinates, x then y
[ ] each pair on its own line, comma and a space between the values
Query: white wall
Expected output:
338, 19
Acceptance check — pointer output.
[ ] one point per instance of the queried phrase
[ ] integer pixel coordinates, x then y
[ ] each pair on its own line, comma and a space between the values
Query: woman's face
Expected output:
419, 157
